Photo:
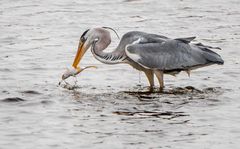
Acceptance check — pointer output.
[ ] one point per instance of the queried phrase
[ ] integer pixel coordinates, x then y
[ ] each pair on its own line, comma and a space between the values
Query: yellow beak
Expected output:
79, 55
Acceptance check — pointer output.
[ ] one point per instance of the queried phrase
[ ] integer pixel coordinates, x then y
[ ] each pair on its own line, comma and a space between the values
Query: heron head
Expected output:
84, 44
100, 36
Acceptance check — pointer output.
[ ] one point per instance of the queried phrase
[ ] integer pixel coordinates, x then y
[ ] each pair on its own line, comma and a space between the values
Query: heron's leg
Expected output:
159, 75
150, 77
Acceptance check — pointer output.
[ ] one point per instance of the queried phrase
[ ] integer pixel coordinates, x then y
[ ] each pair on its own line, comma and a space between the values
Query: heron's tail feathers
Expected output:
210, 55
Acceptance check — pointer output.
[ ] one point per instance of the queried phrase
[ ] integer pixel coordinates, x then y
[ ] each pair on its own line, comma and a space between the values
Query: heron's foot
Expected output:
150, 89
160, 89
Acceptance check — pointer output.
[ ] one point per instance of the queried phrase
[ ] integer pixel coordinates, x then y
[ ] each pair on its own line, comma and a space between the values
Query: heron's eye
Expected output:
82, 37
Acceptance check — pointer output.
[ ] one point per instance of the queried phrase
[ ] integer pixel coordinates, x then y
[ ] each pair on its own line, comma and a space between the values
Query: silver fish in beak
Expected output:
73, 72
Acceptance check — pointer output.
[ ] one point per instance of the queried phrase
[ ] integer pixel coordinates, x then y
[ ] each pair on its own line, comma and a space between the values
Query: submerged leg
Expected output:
150, 77
159, 75
188, 72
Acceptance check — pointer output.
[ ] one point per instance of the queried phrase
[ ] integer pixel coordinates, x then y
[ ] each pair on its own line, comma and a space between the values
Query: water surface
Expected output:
38, 41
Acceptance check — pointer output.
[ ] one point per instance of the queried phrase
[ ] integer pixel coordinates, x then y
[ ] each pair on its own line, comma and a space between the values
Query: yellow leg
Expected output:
159, 75
150, 77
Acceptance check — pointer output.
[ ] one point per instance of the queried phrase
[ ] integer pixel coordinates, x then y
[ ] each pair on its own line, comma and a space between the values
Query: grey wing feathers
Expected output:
186, 40
170, 55
209, 55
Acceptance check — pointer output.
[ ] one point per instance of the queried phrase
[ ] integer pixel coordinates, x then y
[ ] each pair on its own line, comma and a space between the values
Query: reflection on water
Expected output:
110, 106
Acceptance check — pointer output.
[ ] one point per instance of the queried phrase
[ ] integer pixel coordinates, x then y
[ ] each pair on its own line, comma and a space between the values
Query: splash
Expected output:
72, 73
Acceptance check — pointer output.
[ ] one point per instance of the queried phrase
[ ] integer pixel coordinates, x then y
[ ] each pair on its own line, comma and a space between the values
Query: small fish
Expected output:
73, 72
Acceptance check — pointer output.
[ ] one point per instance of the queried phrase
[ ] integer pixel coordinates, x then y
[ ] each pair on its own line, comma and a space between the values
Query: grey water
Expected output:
38, 41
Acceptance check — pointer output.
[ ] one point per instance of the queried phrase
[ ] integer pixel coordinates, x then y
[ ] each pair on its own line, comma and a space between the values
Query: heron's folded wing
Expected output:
186, 40
169, 55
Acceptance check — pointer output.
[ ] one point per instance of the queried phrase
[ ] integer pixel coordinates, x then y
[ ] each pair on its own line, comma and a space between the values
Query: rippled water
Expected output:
38, 41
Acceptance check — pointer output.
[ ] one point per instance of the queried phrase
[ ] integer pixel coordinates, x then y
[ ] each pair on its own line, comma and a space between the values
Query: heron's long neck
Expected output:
114, 57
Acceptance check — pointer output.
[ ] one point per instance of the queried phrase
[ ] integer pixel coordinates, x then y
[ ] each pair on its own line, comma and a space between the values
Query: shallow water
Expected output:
39, 40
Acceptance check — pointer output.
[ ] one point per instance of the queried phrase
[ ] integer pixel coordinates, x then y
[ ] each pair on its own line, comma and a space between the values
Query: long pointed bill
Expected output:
79, 55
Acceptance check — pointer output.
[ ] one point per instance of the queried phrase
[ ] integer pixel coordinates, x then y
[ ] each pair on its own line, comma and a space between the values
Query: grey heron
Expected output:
151, 53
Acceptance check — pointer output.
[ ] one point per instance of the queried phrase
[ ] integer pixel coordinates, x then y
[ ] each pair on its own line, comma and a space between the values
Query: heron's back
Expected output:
173, 54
